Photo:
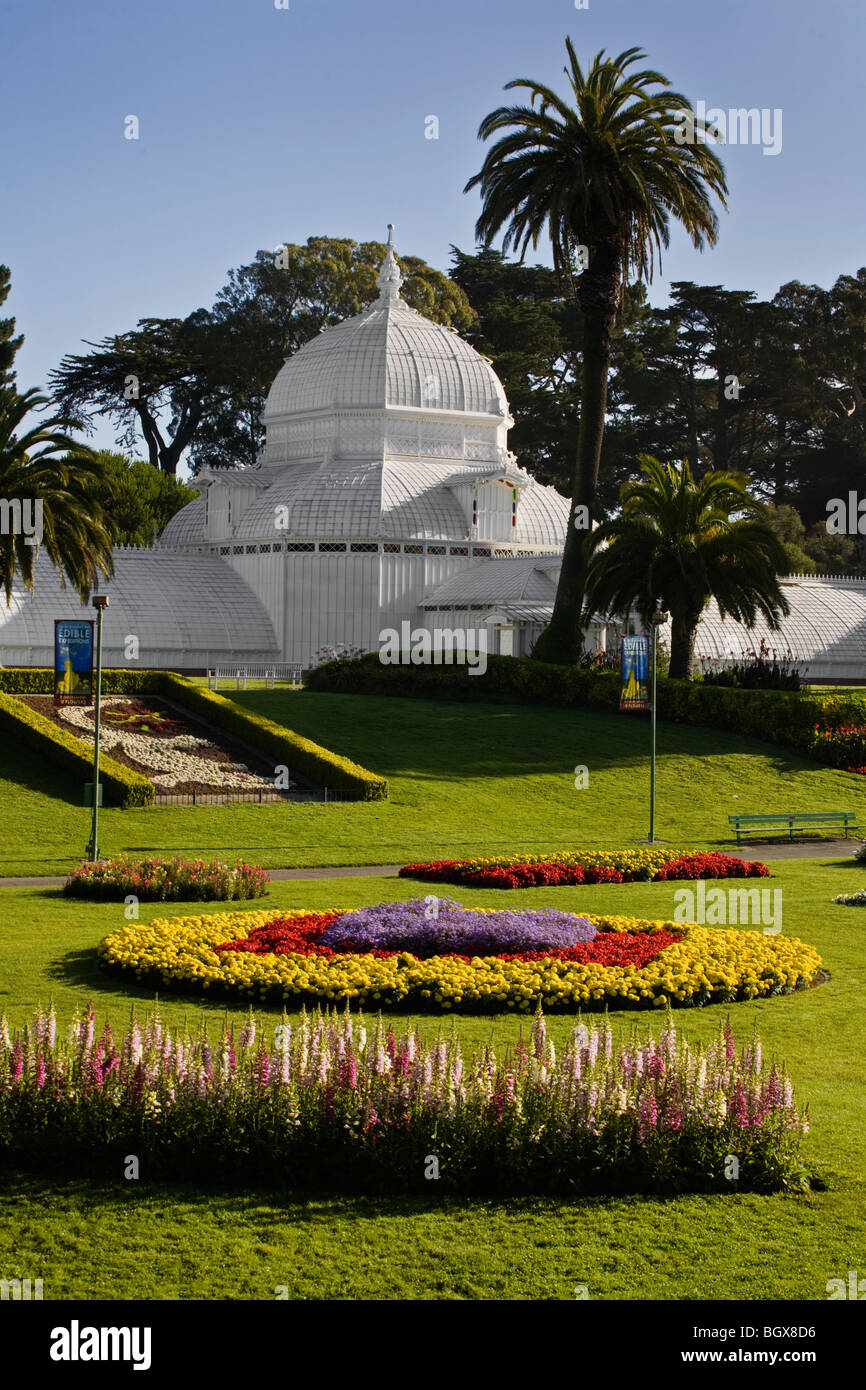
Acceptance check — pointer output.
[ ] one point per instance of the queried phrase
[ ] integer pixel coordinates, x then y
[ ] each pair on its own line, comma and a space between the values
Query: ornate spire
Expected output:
390, 278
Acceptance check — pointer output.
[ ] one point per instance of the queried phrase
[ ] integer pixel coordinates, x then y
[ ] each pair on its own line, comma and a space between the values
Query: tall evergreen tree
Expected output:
605, 170
138, 500
9, 344
529, 329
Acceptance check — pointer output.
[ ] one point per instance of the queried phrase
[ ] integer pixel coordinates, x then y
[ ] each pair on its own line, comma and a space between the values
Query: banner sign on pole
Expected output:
634, 665
73, 661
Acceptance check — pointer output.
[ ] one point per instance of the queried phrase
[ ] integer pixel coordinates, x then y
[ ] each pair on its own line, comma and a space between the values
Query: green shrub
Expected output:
507, 678
121, 785
124, 682
26, 680
309, 759
39, 680
759, 673
777, 716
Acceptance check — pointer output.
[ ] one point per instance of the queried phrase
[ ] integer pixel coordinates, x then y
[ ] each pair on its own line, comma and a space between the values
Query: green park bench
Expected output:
791, 821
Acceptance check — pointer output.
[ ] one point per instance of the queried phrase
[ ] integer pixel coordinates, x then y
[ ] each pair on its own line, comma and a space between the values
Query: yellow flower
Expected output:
710, 962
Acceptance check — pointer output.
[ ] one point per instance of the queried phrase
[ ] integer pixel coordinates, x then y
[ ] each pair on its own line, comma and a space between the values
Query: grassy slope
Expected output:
465, 779
180, 1242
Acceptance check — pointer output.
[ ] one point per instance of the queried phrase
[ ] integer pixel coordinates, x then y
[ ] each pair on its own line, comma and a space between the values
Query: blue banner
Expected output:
73, 661
634, 664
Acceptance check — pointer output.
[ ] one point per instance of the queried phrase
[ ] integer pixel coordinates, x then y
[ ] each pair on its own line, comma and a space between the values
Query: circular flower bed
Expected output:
628, 962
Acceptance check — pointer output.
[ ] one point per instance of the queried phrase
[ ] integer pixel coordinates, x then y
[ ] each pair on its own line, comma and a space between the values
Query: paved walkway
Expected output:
826, 849
802, 849
346, 871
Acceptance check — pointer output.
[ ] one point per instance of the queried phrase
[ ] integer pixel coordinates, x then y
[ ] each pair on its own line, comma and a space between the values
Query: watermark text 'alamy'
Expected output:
739, 126
442, 646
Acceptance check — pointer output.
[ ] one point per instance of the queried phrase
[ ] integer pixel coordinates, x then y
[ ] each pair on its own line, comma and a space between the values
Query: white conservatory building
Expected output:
385, 493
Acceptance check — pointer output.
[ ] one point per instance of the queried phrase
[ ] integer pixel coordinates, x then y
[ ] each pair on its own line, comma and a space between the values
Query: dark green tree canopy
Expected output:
9, 344
199, 383
137, 499
530, 330
685, 540
768, 388
279, 301
162, 365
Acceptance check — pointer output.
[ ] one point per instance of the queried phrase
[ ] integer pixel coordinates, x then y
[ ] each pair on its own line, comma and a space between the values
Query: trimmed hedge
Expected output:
121, 784
300, 754
309, 759
39, 680
776, 716
507, 678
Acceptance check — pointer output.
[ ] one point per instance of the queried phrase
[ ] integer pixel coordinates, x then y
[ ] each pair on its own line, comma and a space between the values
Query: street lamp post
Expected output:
100, 603
658, 617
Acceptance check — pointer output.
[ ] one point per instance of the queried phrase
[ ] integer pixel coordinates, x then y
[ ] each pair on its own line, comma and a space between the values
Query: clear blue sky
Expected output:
260, 126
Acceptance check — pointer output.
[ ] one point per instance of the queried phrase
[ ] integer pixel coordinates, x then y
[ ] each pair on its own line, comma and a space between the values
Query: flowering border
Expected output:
705, 965
586, 866
325, 1103
166, 880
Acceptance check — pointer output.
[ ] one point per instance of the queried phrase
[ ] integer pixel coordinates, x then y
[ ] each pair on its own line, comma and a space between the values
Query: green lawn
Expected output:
465, 779
125, 1240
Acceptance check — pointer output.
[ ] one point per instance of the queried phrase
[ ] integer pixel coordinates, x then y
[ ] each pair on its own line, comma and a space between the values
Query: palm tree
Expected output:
685, 541
606, 173
44, 466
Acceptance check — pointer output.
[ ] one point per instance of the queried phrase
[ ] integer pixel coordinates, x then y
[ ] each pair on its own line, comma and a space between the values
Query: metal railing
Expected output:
288, 672
262, 797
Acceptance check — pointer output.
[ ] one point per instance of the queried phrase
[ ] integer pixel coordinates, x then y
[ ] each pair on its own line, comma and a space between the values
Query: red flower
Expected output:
711, 865
300, 936
553, 874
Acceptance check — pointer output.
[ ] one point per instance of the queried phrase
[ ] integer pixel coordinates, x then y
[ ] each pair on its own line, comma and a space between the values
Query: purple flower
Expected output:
648, 1114
406, 926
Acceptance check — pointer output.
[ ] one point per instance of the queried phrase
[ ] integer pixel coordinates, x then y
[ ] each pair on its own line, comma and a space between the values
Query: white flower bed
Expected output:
169, 760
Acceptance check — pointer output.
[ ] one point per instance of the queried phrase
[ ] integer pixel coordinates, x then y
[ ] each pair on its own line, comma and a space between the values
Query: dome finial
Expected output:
390, 278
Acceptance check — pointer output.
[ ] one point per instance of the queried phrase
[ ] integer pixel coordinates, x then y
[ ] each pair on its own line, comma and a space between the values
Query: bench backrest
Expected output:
787, 817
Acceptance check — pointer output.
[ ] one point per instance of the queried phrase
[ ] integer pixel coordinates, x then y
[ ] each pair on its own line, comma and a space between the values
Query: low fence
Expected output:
285, 674
260, 798
219, 798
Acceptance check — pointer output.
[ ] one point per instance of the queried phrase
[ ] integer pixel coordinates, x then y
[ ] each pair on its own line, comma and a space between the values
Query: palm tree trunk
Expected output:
562, 639
683, 632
